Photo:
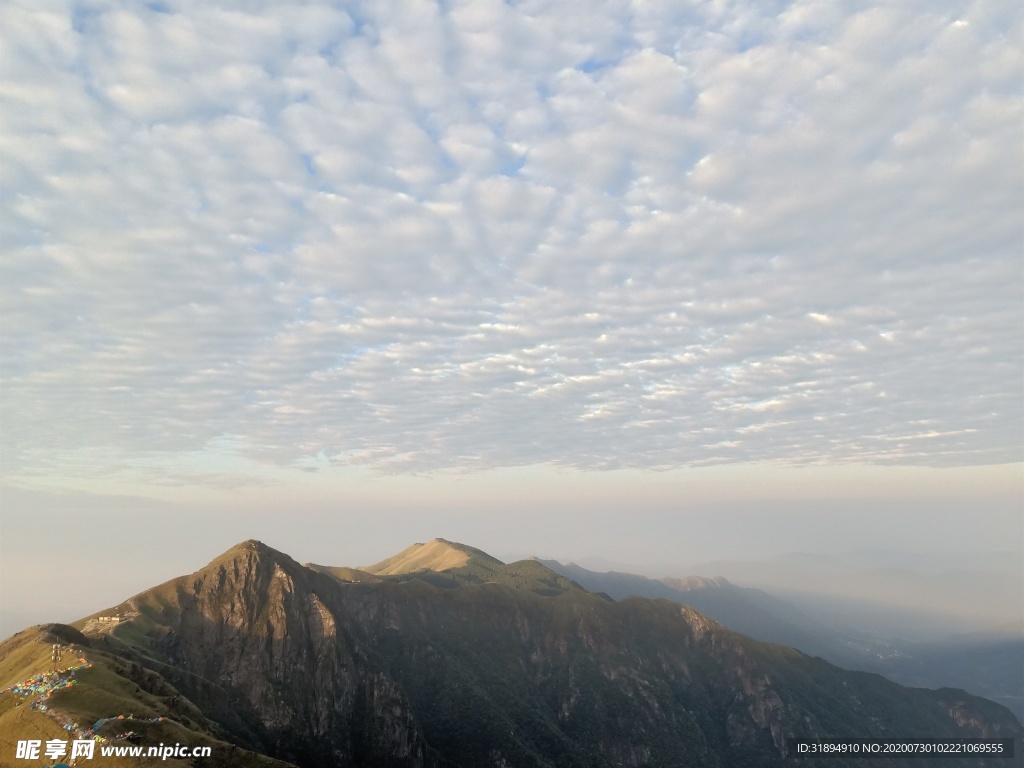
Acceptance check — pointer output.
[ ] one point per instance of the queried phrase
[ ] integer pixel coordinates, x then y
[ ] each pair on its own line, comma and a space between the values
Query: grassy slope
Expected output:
113, 686
436, 555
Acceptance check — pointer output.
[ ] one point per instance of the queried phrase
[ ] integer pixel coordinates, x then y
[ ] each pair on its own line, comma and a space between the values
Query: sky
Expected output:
651, 281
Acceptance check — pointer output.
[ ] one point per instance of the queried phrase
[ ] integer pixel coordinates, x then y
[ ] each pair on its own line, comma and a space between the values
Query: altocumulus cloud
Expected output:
421, 236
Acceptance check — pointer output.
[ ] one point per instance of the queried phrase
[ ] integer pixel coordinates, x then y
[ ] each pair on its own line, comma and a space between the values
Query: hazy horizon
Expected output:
655, 283
109, 548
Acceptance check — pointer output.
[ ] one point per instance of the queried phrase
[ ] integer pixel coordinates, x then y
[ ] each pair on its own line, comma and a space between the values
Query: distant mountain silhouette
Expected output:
990, 664
748, 611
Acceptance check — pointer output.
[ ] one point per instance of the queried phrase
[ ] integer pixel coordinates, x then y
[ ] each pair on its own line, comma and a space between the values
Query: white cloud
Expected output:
425, 237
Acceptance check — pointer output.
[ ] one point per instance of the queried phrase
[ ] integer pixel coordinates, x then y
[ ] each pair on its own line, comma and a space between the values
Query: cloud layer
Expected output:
422, 236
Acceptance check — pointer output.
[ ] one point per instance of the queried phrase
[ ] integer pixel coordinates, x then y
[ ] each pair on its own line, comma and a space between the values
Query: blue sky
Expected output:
267, 251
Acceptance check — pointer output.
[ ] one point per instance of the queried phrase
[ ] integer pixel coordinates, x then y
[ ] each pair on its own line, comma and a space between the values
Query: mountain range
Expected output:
441, 657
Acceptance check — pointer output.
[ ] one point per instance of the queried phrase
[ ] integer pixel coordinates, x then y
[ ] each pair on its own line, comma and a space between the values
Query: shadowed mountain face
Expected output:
481, 663
989, 664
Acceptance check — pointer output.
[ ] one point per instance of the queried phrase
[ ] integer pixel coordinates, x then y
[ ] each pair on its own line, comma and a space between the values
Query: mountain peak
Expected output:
434, 555
253, 549
250, 545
